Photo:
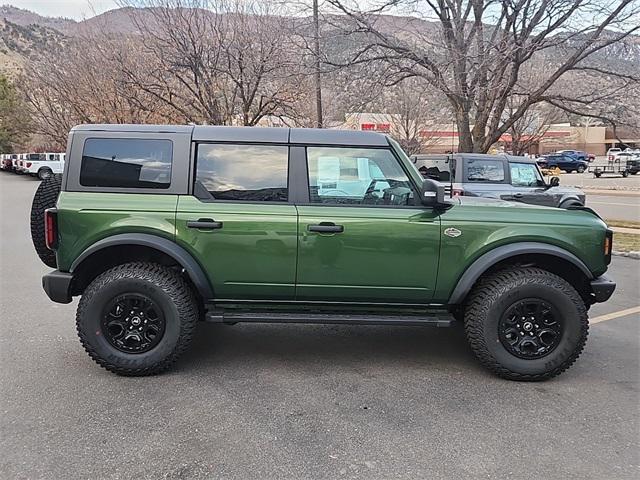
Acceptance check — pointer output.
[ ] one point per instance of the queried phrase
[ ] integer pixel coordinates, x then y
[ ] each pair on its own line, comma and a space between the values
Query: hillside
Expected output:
24, 34
19, 42
25, 18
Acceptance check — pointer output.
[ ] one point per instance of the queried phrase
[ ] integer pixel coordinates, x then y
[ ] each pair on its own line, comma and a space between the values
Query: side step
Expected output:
436, 319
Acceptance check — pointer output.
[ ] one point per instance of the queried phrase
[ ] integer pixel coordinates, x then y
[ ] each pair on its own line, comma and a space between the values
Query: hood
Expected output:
483, 209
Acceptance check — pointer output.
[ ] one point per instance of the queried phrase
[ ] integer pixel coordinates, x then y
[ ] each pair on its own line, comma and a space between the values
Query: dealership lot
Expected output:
288, 401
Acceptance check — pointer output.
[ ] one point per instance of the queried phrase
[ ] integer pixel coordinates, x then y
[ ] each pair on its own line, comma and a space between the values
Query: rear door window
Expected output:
126, 162
253, 173
484, 171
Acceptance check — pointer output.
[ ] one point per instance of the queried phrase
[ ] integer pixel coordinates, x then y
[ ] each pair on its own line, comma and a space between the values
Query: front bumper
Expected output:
602, 288
57, 286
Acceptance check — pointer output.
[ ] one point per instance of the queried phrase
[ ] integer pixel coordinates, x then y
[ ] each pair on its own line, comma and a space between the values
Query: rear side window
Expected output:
126, 163
439, 169
491, 171
244, 172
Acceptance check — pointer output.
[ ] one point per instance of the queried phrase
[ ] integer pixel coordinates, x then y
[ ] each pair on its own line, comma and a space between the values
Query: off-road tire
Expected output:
497, 292
167, 288
570, 203
45, 197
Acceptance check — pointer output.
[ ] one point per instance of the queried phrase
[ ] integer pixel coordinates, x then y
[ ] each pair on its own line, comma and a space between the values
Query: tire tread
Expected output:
489, 289
172, 284
45, 197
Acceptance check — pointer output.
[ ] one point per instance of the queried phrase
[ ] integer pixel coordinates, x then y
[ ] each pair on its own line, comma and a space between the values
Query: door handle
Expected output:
204, 223
326, 227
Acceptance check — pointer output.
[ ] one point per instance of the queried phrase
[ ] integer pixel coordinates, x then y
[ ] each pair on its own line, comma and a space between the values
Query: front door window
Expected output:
357, 176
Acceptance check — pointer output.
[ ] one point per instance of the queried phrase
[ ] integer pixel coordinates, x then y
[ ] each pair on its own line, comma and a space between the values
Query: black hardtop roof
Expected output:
210, 133
475, 156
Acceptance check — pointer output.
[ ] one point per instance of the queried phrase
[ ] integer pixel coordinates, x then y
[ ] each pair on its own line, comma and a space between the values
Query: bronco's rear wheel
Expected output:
45, 197
137, 318
526, 323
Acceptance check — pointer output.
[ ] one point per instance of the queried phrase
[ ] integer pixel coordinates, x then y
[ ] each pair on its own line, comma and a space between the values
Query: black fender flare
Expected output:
485, 261
164, 245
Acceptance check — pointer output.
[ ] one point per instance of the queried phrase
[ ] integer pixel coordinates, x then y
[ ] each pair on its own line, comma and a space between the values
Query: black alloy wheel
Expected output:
530, 329
133, 323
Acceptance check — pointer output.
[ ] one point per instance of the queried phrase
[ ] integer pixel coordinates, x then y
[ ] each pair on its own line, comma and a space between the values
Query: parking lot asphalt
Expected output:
613, 207
294, 401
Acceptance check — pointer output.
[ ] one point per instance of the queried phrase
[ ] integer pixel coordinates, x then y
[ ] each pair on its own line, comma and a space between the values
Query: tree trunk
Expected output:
465, 139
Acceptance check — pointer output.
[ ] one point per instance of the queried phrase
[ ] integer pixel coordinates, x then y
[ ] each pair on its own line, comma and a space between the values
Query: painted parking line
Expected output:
618, 314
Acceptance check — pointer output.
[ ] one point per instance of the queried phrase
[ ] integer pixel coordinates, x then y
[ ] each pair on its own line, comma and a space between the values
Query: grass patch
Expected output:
626, 242
623, 223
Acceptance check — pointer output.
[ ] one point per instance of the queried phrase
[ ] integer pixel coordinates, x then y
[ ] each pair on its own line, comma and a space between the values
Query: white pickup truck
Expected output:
43, 164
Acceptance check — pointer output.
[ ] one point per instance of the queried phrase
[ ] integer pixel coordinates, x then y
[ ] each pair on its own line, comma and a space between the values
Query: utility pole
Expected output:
316, 52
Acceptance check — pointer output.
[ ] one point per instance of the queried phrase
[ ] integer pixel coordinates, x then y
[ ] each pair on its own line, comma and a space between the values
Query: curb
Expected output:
635, 255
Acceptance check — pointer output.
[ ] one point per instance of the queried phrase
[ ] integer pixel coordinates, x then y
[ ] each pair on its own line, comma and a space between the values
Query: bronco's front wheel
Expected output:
137, 318
526, 323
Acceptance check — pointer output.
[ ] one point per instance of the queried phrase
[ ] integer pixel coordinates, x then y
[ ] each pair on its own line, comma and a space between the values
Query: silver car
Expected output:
505, 177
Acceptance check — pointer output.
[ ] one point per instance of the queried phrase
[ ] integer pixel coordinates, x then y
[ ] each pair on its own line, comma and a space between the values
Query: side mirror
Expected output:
554, 181
432, 193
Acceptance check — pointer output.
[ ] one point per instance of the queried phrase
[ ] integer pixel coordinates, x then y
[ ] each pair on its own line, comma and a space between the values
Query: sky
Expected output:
76, 9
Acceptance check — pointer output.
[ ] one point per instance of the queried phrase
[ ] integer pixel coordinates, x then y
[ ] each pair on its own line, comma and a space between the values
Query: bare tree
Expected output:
215, 61
474, 52
415, 108
84, 83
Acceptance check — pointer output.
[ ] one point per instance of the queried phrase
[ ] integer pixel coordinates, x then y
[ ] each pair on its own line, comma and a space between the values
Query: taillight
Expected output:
611, 158
28, 164
51, 228
457, 192
608, 246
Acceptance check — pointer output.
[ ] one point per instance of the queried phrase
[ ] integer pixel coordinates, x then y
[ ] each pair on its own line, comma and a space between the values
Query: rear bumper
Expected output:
57, 286
602, 288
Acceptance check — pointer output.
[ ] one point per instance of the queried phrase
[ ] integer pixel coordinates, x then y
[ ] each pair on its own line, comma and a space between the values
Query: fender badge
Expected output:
452, 232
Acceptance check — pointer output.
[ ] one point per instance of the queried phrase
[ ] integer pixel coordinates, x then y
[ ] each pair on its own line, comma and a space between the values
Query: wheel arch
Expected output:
122, 248
550, 257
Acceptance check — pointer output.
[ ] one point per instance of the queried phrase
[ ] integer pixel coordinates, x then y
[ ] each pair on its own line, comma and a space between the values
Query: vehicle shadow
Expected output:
218, 346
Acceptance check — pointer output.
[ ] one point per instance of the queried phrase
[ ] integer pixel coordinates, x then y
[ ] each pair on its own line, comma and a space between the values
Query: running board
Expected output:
438, 319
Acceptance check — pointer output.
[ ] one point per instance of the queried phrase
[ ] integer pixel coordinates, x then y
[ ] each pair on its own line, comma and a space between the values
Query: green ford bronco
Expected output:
159, 227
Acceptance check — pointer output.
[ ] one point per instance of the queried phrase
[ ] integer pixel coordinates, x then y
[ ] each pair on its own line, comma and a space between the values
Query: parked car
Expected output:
564, 162
577, 154
497, 176
18, 163
612, 152
43, 165
6, 161
633, 163
332, 227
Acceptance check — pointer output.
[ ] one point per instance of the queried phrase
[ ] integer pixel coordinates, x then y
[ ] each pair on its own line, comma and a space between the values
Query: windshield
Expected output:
405, 158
